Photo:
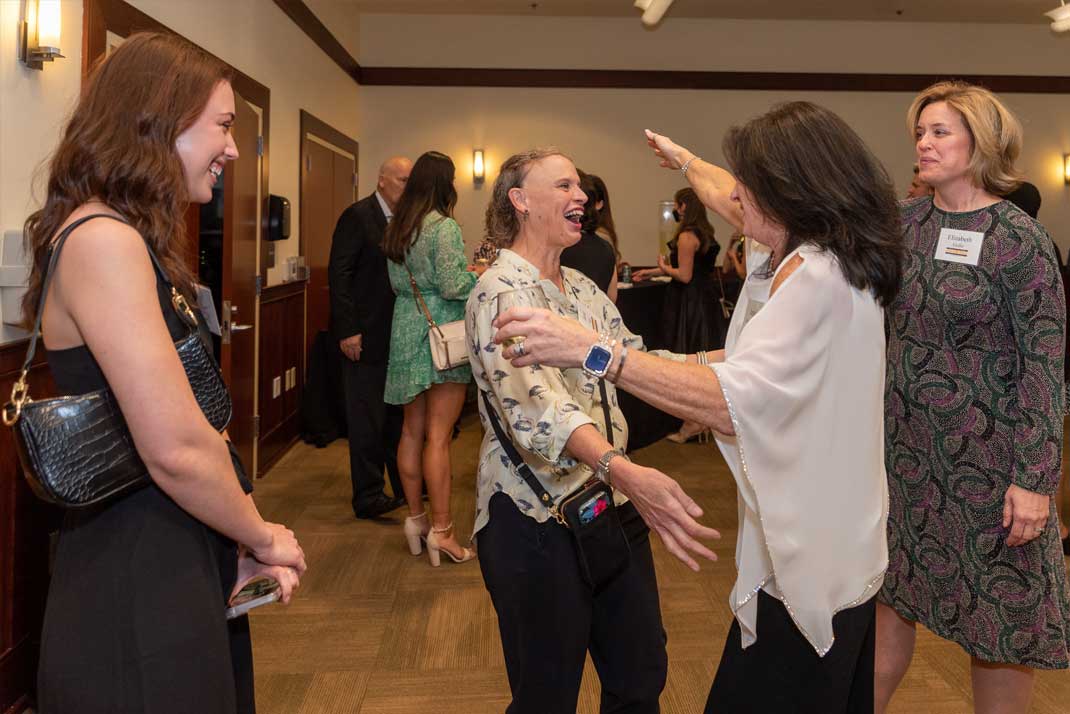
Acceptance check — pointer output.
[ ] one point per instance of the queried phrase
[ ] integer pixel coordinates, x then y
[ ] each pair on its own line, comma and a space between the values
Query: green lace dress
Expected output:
437, 261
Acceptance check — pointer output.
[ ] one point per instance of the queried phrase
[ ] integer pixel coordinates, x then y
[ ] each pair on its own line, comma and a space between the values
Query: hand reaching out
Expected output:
666, 509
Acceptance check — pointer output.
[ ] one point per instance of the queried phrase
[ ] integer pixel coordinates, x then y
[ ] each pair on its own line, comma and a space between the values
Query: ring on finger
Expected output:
518, 348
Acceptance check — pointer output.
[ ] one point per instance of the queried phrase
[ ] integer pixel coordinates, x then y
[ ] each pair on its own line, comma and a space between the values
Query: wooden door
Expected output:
328, 187
241, 232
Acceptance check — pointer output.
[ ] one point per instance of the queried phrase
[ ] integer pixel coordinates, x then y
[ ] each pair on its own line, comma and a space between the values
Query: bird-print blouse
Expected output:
539, 407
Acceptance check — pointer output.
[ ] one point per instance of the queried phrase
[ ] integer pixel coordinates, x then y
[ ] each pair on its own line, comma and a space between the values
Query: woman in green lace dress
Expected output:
424, 242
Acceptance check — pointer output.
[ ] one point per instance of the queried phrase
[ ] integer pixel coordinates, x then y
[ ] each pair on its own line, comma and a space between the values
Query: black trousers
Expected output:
374, 431
782, 673
549, 618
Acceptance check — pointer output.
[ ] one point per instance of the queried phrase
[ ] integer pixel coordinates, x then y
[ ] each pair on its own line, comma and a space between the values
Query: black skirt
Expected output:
782, 673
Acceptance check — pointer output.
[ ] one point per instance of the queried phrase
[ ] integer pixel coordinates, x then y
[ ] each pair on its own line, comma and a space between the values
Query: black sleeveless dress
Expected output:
134, 621
688, 318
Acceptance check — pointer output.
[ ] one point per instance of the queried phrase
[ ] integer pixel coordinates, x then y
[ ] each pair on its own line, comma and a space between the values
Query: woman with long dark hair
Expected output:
607, 228
796, 399
689, 320
592, 255
135, 614
423, 245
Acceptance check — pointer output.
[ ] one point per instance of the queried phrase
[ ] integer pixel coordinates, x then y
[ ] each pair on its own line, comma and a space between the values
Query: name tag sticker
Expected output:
957, 246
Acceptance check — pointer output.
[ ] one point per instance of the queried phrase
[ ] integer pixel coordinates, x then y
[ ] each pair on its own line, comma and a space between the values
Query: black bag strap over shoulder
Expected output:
522, 469
20, 390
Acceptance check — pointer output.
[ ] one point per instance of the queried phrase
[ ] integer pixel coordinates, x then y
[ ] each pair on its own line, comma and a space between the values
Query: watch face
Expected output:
597, 360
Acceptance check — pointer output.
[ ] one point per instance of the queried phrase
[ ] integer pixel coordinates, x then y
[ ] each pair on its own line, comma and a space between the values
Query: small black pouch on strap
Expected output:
589, 512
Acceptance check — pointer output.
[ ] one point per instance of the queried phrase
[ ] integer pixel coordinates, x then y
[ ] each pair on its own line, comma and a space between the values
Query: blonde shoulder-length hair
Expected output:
995, 131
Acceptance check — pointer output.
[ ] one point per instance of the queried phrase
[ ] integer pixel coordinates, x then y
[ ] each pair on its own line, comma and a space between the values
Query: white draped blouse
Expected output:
803, 376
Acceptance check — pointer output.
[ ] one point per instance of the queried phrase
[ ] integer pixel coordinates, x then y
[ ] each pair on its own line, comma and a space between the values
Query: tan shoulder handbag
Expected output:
448, 348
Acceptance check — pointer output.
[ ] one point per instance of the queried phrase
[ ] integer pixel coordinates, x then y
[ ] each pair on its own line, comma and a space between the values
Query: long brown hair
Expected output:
119, 147
605, 213
429, 188
812, 174
694, 219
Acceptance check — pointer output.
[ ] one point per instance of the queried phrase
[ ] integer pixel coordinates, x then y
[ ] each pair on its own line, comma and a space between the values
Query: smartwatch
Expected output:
599, 358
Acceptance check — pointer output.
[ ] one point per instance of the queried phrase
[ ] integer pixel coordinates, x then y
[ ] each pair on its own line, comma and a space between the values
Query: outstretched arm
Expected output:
713, 184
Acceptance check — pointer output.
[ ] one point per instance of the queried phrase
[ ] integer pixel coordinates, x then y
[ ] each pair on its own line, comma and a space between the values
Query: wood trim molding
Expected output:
666, 79
311, 25
310, 124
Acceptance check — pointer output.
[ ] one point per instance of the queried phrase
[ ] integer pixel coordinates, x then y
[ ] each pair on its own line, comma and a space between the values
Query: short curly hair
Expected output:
503, 220
996, 132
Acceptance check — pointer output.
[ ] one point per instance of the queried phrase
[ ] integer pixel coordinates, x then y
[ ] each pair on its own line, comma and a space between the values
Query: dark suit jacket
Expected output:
362, 301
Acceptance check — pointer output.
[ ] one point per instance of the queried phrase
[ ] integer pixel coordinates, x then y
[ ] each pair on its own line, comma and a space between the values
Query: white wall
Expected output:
34, 105
601, 128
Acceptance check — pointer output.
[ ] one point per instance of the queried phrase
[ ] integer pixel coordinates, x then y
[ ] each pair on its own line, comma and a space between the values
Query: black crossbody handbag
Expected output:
589, 512
77, 451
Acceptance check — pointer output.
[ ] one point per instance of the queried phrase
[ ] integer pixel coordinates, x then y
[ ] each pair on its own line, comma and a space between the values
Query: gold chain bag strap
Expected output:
76, 451
448, 348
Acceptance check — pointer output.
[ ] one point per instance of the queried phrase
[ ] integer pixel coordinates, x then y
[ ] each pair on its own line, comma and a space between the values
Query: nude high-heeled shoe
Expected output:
416, 530
434, 549
689, 431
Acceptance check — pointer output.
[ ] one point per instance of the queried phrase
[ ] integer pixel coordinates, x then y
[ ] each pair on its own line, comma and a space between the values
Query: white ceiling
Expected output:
999, 11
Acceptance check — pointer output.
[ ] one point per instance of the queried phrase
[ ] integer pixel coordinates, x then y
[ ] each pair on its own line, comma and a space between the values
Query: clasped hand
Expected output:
549, 339
1025, 513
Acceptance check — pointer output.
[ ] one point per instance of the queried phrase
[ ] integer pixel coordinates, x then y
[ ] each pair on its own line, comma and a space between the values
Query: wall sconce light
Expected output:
1066, 169
39, 33
478, 169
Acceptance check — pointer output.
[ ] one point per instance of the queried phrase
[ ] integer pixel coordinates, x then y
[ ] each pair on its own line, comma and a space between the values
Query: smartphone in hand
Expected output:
260, 590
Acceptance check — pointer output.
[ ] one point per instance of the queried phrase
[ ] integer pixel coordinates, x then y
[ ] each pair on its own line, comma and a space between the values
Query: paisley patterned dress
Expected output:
437, 261
974, 404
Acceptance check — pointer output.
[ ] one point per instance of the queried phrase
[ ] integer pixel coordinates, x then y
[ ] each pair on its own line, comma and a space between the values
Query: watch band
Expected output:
601, 471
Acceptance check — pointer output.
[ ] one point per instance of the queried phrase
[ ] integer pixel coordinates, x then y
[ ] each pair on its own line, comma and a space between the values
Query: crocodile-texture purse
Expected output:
77, 451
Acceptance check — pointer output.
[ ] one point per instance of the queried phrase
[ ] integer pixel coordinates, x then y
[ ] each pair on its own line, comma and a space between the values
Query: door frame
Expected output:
314, 126
310, 124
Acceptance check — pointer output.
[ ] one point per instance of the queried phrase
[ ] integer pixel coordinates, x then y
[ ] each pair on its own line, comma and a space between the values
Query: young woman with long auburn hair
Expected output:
135, 612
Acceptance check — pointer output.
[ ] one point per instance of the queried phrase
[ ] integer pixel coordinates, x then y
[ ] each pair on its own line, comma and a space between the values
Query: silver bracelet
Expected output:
620, 364
687, 164
702, 357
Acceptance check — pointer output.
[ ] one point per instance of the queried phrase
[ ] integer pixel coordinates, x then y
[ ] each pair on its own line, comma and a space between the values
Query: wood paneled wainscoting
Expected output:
282, 367
25, 524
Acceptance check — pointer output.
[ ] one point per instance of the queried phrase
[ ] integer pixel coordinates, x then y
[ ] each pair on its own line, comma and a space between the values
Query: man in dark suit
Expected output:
362, 307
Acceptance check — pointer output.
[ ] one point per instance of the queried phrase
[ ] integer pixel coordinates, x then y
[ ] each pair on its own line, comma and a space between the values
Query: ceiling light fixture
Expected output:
653, 10
1060, 17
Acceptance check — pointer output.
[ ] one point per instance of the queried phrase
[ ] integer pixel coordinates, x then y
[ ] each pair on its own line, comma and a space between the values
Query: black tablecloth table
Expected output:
640, 308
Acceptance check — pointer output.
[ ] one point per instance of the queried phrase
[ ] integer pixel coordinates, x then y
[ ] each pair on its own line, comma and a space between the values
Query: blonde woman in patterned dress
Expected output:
974, 413
424, 242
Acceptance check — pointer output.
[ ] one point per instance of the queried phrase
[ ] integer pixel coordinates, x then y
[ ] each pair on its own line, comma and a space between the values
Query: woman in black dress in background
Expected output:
135, 614
690, 315
593, 256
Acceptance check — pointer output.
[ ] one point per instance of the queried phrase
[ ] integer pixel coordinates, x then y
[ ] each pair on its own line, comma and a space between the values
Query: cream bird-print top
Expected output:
539, 407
